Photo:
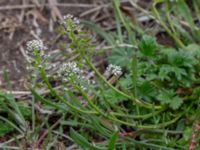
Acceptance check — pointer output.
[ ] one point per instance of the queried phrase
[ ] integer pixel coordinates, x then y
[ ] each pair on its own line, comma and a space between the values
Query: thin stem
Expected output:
33, 105
143, 117
89, 100
146, 126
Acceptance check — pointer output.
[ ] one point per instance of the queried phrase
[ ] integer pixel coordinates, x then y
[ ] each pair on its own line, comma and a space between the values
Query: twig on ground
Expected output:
21, 17
55, 12
46, 4
93, 10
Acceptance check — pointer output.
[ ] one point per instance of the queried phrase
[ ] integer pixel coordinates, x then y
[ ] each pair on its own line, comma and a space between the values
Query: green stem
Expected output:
116, 5
143, 117
88, 100
161, 125
33, 102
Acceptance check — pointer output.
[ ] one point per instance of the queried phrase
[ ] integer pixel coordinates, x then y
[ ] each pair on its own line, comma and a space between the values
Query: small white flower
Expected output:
39, 66
113, 69
70, 69
65, 89
68, 16
93, 81
83, 88
35, 45
75, 21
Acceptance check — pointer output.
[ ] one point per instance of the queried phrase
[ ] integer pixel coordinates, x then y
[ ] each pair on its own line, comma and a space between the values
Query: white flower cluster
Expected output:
74, 20
35, 45
70, 70
68, 16
113, 69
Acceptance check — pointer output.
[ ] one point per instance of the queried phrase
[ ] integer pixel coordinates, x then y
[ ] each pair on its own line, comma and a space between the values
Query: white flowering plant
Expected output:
141, 96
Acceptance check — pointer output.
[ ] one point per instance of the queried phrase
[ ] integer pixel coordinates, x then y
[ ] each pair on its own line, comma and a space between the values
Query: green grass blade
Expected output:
16, 112
47, 102
185, 12
12, 124
113, 140
82, 141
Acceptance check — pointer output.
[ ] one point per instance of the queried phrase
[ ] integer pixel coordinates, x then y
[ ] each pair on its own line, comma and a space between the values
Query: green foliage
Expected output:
164, 68
121, 57
148, 45
17, 113
147, 89
5, 128
80, 140
152, 104
169, 97
112, 142
113, 97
